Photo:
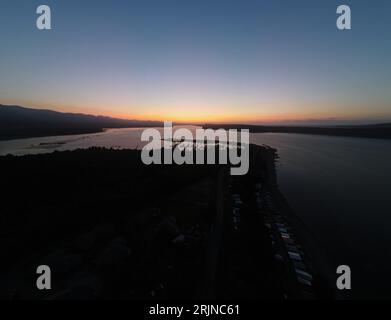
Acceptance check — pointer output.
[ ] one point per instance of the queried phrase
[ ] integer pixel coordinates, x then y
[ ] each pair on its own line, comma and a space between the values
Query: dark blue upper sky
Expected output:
250, 60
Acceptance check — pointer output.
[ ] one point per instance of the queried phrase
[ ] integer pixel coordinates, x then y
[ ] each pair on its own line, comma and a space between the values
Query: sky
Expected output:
252, 61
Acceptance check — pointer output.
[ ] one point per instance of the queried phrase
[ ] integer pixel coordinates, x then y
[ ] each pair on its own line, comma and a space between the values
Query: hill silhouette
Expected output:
19, 122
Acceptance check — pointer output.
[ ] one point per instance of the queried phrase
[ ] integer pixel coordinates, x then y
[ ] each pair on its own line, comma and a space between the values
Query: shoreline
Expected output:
359, 131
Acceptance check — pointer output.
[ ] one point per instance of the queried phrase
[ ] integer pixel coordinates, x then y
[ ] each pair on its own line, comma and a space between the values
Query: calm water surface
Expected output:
340, 188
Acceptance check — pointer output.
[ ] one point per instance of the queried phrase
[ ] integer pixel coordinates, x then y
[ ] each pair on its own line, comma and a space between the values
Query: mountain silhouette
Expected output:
19, 122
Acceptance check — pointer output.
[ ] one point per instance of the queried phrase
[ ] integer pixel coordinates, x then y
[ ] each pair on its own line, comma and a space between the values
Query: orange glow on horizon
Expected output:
218, 118
272, 113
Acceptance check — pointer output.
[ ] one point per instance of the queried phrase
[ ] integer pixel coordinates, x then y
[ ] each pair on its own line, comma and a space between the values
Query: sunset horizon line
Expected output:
209, 119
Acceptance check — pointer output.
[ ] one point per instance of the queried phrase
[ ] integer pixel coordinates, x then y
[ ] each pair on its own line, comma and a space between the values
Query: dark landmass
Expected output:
18, 122
111, 227
108, 225
376, 131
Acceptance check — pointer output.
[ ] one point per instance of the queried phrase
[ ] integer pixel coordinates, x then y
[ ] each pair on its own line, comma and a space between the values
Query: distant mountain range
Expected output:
377, 131
19, 122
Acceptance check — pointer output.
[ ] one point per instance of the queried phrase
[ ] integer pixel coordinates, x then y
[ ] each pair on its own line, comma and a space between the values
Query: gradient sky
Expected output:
199, 60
